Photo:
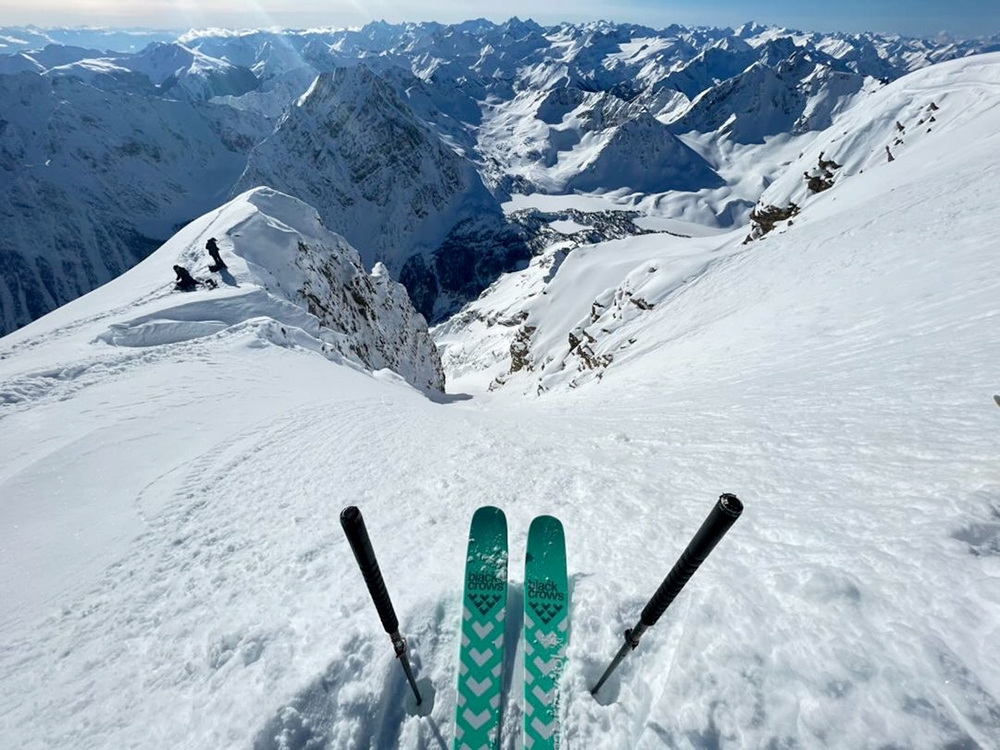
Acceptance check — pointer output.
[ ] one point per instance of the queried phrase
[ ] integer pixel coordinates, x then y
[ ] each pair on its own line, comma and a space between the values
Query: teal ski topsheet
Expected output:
484, 613
546, 631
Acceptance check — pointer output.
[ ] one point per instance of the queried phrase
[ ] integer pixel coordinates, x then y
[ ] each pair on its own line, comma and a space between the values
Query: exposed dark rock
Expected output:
764, 219
597, 226
520, 358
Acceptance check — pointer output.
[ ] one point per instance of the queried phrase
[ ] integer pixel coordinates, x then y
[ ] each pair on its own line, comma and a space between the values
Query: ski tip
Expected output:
488, 510
489, 527
545, 522
488, 515
547, 530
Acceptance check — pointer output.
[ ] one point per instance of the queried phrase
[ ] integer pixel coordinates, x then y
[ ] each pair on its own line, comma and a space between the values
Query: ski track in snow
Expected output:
217, 543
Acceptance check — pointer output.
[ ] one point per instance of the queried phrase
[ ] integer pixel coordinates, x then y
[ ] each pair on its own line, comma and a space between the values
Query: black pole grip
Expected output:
357, 536
719, 521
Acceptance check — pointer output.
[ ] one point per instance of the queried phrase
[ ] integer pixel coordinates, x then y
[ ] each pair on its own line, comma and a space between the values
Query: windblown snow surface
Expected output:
174, 575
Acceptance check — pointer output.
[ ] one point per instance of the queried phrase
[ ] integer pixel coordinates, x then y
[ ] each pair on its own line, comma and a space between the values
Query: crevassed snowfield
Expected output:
174, 574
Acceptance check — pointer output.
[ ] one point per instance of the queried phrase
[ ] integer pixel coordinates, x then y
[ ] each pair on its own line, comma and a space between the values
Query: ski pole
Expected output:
357, 536
719, 521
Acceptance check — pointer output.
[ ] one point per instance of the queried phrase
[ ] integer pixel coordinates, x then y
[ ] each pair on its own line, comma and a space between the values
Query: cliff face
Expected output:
282, 247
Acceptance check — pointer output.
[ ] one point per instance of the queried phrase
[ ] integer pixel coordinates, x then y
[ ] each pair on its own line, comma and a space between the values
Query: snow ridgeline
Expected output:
289, 280
312, 288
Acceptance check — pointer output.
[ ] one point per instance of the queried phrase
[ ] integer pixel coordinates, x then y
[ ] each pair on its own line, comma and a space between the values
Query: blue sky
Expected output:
911, 17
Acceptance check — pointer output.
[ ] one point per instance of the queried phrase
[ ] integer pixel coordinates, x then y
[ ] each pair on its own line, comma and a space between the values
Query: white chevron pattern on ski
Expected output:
483, 630
546, 666
481, 657
548, 639
544, 730
545, 696
476, 720
479, 687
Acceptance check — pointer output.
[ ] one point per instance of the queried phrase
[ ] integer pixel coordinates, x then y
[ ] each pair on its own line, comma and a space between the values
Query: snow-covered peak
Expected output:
174, 69
161, 61
346, 87
189, 70
750, 29
643, 156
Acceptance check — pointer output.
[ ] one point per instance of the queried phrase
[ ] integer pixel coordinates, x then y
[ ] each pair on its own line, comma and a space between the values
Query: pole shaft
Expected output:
719, 521
357, 536
632, 637
399, 645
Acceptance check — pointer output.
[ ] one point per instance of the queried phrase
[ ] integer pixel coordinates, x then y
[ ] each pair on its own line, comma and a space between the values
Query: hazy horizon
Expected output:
970, 18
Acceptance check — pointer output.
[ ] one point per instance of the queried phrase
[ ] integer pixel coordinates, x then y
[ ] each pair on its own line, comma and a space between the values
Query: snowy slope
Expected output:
289, 281
176, 577
918, 112
595, 294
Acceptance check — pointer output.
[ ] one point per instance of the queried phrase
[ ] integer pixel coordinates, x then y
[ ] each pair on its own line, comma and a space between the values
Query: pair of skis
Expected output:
546, 618
484, 617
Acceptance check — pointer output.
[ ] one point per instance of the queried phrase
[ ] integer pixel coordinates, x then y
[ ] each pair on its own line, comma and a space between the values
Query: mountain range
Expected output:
408, 138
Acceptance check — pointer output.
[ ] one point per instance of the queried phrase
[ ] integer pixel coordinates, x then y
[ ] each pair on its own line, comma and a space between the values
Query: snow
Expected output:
175, 575
567, 226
